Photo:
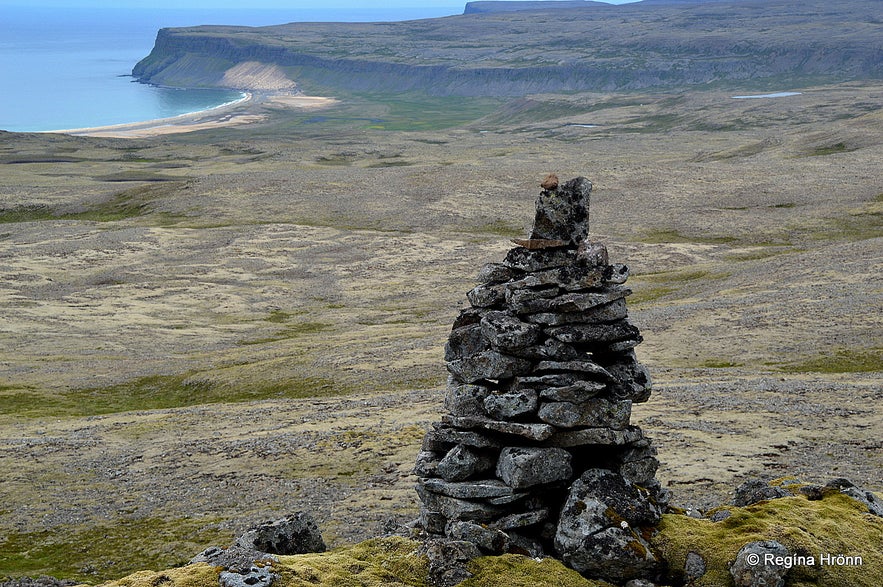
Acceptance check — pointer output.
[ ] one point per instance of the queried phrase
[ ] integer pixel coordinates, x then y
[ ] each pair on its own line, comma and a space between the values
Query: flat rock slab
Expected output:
594, 333
615, 310
578, 392
578, 366
596, 436
530, 260
487, 364
468, 489
443, 438
453, 508
536, 432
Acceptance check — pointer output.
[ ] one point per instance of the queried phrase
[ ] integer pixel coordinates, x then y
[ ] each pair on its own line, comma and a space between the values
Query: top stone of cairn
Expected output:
562, 217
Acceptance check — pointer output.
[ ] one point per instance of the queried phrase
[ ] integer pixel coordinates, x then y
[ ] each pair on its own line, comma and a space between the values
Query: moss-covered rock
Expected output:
835, 525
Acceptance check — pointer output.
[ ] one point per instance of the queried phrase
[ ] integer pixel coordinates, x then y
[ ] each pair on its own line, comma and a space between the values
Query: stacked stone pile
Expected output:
537, 454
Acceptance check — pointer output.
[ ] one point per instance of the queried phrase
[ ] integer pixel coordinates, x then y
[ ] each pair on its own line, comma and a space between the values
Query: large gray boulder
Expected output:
294, 534
599, 530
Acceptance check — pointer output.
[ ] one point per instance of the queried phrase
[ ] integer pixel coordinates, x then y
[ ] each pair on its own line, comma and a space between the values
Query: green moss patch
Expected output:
834, 525
100, 553
125, 205
199, 575
352, 454
720, 364
155, 392
289, 332
382, 562
514, 570
831, 149
840, 361
652, 286
663, 236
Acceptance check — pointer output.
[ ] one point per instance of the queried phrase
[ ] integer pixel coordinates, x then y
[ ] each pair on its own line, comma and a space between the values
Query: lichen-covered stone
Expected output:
531, 261
465, 400
549, 349
453, 508
583, 301
544, 380
594, 333
507, 333
583, 366
617, 273
447, 561
512, 404
563, 214
631, 380
256, 576
463, 462
570, 278
531, 431
593, 254
640, 471
478, 489
577, 392
615, 310
444, 438
755, 490
521, 520
465, 342
494, 273
595, 413
595, 436
694, 567
487, 296
427, 464
596, 529
487, 364
521, 467
468, 316
293, 534
489, 540
747, 572
614, 554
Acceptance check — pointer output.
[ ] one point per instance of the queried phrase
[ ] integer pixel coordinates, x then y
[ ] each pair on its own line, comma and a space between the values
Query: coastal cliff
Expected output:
595, 47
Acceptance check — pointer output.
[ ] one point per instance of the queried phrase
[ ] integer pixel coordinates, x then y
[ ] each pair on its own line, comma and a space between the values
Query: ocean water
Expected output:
66, 68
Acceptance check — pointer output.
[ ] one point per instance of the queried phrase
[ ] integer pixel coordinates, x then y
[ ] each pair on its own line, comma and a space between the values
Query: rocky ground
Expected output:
204, 331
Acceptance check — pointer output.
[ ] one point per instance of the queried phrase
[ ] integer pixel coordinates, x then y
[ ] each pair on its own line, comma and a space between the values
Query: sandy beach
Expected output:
236, 113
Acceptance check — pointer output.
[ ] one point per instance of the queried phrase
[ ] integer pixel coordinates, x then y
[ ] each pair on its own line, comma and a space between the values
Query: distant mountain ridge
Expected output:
485, 6
597, 47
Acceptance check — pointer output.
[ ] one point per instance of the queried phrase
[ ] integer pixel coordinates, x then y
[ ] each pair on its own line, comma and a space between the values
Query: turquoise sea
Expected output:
66, 68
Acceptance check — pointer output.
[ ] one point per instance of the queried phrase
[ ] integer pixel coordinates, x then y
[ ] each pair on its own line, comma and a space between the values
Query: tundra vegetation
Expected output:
205, 330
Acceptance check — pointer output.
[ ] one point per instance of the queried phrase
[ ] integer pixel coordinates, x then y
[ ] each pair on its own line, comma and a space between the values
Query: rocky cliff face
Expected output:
516, 53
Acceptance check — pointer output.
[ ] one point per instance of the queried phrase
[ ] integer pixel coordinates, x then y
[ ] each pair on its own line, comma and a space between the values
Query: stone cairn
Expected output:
536, 455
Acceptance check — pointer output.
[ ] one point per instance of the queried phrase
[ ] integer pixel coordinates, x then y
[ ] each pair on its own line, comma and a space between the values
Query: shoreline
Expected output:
234, 113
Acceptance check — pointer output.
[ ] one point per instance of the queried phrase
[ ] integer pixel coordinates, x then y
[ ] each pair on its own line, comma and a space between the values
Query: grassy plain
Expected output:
224, 326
